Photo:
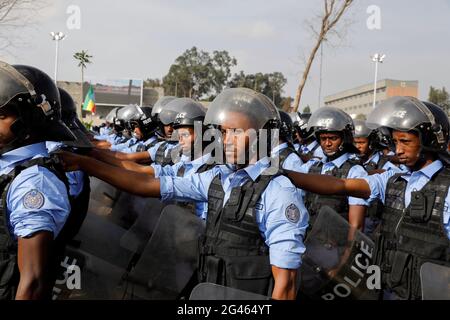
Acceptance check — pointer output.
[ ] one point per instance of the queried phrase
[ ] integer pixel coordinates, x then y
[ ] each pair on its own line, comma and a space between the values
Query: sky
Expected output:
140, 39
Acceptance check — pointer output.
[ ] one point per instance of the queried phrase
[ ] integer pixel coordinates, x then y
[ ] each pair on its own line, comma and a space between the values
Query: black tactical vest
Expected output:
233, 252
376, 207
284, 154
339, 203
306, 156
9, 271
161, 158
191, 205
410, 236
142, 147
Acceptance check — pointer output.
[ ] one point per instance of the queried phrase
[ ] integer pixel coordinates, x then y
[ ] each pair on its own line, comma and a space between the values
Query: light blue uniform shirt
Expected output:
190, 167
375, 158
356, 171
121, 146
152, 151
75, 178
415, 182
105, 131
318, 153
133, 148
280, 213
292, 162
36, 200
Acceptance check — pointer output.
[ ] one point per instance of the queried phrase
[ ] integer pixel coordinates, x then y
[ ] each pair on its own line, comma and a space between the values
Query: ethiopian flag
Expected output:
89, 101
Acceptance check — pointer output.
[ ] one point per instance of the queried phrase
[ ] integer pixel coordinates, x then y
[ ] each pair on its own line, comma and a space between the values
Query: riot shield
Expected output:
335, 264
170, 258
103, 192
211, 291
136, 238
435, 281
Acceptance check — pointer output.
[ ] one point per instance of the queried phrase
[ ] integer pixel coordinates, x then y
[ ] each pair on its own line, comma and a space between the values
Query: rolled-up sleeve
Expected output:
283, 219
192, 188
37, 201
377, 184
357, 172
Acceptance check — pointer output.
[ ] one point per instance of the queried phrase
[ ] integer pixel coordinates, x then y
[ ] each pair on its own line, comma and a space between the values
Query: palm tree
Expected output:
83, 59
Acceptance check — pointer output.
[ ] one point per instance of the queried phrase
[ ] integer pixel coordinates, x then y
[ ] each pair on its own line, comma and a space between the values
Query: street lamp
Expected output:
377, 58
57, 36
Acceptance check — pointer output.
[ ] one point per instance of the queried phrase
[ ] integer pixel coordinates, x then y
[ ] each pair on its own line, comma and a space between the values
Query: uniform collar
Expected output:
151, 139
23, 153
429, 171
278, 148
375, 158
312, 145
201, 160
255, 170
338, 162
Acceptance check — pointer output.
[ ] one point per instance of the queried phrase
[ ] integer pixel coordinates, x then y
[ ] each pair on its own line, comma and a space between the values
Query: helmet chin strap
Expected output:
334, 155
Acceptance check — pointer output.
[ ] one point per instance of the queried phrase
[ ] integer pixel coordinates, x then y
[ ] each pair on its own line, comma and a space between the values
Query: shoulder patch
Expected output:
292, 213
33, 199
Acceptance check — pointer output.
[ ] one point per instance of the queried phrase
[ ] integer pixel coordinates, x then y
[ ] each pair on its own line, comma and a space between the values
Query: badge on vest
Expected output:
33, 199
292, 213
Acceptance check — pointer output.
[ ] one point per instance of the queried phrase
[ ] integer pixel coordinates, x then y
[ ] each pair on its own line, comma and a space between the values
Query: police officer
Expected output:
285, 151
308, 147
35, 201
144, 129
262, 218
107, 129
415, 224
79, 183
333, 128
128, 114
370, 146
164, 133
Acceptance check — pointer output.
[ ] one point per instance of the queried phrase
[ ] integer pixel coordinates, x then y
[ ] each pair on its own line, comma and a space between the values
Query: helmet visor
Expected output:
12, 84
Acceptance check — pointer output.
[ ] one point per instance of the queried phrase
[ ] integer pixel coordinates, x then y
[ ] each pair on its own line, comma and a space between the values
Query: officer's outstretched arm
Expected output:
329, 185
133, 182
285, 279
33, 258
129, 165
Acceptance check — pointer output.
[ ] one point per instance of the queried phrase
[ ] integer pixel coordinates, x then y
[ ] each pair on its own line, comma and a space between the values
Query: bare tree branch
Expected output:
332, 14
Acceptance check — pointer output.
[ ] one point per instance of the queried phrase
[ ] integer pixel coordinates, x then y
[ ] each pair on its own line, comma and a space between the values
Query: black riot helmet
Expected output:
287, 127
300, 124
33, 97
334, 120
70, 119
156, 111
190, 111
410, 114
146, 123
256, 107
377, 141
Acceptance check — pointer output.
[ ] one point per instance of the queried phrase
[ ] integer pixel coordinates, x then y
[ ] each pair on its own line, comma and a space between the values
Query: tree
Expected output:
197, 74
15, 15
440, 97
307, 109
152, 83
333, 12
83, 59
269, 84
360, 116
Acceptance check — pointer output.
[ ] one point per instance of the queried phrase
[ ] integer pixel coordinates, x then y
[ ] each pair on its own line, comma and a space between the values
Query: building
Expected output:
106, 101
359, 100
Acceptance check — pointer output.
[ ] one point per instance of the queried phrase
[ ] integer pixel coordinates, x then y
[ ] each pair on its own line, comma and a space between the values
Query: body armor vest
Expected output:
233, 252
161, 158
284, 154
142, 147
306, 156
9, 271
339, 203
180, 173
410, 236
